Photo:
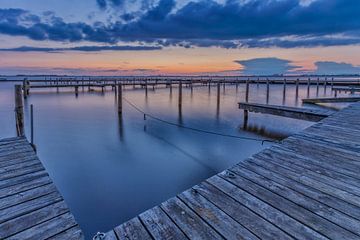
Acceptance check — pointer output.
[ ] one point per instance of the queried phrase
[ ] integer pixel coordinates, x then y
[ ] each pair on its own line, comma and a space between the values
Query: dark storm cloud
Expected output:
266, 66
255, 23
82, 49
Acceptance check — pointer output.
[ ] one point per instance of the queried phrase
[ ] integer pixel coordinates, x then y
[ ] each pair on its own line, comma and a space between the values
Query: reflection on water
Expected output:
111, 167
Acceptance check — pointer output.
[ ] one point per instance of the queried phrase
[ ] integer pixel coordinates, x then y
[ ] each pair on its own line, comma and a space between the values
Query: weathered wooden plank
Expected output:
310, 204
132, 230
22, 171
215, 217
24, 186
257, 225
53, 227
31, 219
110, 235
290, 112
22, 179
330, 100
288, 224
29, 206
190, 223
160, 225
303, 215
73, 233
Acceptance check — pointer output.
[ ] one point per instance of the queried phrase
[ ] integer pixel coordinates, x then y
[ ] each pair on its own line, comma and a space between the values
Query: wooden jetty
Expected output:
306, 187
313, 115
31, 207
330, 100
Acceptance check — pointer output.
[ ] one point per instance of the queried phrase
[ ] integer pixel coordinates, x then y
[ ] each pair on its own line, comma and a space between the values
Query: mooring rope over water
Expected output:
195, 129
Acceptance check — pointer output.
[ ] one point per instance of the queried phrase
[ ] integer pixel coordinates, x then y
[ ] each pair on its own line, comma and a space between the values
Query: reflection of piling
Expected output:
19, 111
120, 98
76, 91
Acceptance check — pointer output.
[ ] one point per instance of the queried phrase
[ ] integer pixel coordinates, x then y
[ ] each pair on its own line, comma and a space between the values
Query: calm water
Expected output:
110, 169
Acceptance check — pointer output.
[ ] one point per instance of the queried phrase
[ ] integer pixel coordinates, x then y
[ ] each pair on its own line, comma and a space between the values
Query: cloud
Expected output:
81, 48
230, 24
267, 66
327, 67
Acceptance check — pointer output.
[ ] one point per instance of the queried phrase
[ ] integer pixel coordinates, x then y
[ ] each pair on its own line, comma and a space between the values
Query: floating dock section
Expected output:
31, 207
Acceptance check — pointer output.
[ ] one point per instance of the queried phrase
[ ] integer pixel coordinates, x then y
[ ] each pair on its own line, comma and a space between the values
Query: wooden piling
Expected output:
180, 94
267, 90
308, 87
19, 112
284, 90
218, 93
297, 88
317, 86
247, 91
76, 91
120, 98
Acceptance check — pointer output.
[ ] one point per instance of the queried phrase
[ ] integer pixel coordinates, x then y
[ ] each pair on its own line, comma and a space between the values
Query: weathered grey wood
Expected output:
132, 230
288, 224
303, 215
223, 223
30, 205
257, 225
290, 112
190, 223
160, 225
330, 100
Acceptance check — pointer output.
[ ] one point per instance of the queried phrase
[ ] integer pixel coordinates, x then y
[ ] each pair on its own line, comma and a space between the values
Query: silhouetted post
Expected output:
247, 91
257, 82
297, 88
19, 112
146, 87
317, 86
76, 91
325, 85
308, 87
170, 88
267, 90
25, 88
120, 98
218, 93
180, 94
332, 83
284, 90
32, 125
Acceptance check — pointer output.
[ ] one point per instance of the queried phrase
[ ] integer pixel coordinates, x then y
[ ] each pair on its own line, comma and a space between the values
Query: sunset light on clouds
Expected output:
159, 37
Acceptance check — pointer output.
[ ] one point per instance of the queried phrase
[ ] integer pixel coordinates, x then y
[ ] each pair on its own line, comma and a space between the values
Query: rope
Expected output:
195, 129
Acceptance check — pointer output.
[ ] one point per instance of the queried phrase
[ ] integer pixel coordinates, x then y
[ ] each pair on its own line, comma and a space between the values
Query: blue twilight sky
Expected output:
184, 36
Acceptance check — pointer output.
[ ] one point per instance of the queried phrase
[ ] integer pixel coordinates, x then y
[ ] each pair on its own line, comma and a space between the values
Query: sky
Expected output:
169, 37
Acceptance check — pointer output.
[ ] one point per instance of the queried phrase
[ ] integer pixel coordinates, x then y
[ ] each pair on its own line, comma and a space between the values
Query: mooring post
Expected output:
325, 85
284, 90
267, 90
332, 83
32, 125
297, 88
180, 94
247, 91
146, 88
218, 93
24, 88
308, 87
120, 98
317, 86
76, 91
19, 112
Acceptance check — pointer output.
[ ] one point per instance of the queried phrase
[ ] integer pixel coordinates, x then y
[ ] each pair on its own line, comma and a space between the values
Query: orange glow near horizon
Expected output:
174, 60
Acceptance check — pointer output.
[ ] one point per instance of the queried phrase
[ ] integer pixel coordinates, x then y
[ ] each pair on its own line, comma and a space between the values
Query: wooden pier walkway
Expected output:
313, 115
30, 205
307, 187
331, 100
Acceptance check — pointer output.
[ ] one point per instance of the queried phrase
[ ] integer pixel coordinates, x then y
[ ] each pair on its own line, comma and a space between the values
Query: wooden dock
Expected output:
30, 205
313, 115
307, 187
331, 100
